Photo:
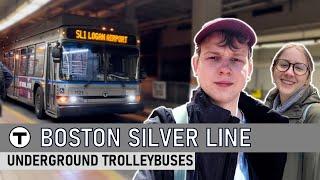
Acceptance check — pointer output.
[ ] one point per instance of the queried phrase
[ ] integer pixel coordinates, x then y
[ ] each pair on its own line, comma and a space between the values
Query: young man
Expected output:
222, 62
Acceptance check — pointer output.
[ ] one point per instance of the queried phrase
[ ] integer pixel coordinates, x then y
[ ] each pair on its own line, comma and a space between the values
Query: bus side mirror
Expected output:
56, 54
142, 75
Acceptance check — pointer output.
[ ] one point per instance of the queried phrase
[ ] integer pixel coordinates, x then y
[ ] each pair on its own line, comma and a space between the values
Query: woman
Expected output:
295, 97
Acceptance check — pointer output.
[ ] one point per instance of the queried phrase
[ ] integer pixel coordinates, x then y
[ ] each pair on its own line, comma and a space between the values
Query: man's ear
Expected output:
250, 69
195, 62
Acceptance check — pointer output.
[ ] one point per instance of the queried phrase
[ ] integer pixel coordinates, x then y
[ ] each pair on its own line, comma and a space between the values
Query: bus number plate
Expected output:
78, 92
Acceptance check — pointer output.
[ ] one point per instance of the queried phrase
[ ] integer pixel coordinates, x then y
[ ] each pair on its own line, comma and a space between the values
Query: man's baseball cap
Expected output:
229, 24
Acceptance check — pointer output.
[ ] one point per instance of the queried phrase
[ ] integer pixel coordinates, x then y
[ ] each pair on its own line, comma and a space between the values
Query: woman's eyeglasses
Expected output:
299, 69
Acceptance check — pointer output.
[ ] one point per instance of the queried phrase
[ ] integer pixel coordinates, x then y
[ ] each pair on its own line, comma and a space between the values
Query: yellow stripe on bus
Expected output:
112, 175
20, 116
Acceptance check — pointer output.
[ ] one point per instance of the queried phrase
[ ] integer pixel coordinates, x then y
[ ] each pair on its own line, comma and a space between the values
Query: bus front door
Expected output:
50, 93
16, 73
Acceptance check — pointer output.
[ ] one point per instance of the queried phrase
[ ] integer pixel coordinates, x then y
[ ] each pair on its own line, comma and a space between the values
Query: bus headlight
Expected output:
63, 100
73, 99
133, 98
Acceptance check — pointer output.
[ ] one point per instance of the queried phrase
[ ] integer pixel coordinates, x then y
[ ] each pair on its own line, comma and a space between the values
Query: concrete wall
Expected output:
300, 13
171, 36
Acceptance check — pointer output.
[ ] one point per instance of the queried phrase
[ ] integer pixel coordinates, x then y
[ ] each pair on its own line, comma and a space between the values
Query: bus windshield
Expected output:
98, 62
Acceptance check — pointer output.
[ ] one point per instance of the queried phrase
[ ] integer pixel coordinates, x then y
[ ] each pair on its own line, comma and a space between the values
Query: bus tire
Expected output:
4, 94
39, 104
2, 83
3, 91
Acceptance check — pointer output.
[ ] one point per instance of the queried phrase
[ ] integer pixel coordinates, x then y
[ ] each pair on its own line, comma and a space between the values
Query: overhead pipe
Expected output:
249, 5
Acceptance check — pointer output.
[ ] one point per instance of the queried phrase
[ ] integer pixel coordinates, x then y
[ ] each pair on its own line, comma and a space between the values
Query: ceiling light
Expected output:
21, 12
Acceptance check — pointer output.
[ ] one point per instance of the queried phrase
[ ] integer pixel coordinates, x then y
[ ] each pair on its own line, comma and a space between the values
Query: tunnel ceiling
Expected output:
149, 13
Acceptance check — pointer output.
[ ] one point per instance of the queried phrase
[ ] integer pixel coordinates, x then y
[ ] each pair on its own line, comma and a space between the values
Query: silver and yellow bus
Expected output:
66, 67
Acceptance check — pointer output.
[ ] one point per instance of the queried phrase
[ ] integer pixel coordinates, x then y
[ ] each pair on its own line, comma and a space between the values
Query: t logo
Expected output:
19, 137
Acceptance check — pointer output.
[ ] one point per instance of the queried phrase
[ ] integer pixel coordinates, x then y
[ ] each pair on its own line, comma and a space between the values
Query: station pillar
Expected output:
130, 18
202, 11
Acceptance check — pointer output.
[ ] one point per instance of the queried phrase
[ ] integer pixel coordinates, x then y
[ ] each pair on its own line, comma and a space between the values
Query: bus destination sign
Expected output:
94, 35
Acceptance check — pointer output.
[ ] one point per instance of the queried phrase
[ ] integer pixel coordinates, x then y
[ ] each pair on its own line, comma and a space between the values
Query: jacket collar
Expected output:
210, 112
254, 111
309, 96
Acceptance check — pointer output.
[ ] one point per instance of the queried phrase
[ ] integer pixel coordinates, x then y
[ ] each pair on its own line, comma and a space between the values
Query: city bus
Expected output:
74, 65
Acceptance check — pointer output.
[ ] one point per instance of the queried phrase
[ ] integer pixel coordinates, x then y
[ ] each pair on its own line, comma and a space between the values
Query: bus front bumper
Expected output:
79, 110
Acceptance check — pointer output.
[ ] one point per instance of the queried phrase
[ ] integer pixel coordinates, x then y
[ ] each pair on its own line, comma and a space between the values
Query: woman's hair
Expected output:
300, 47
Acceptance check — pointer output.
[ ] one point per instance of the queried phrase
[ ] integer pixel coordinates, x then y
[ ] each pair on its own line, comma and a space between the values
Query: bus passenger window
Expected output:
39, 60
11, 61
23, 62
30, 58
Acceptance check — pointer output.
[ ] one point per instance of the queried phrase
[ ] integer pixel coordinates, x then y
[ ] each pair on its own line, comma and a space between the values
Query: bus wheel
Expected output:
39, 104
3, 92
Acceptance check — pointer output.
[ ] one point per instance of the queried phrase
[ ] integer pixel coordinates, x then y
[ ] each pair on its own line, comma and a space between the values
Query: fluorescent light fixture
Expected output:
21, 12
280, 44
307, 42
269, 45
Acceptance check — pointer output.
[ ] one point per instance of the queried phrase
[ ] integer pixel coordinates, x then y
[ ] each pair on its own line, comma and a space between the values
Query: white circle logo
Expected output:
19, 137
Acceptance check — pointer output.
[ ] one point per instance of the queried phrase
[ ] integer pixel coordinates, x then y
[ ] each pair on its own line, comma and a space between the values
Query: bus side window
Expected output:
17, 59
30, 58
23, 62
11, 61
39, 60
6, 59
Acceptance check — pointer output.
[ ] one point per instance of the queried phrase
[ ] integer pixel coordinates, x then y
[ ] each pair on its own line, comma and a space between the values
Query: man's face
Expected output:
222, 72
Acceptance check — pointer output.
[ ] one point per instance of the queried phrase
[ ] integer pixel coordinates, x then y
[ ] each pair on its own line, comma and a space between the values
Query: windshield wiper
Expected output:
119, 77
88, 82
